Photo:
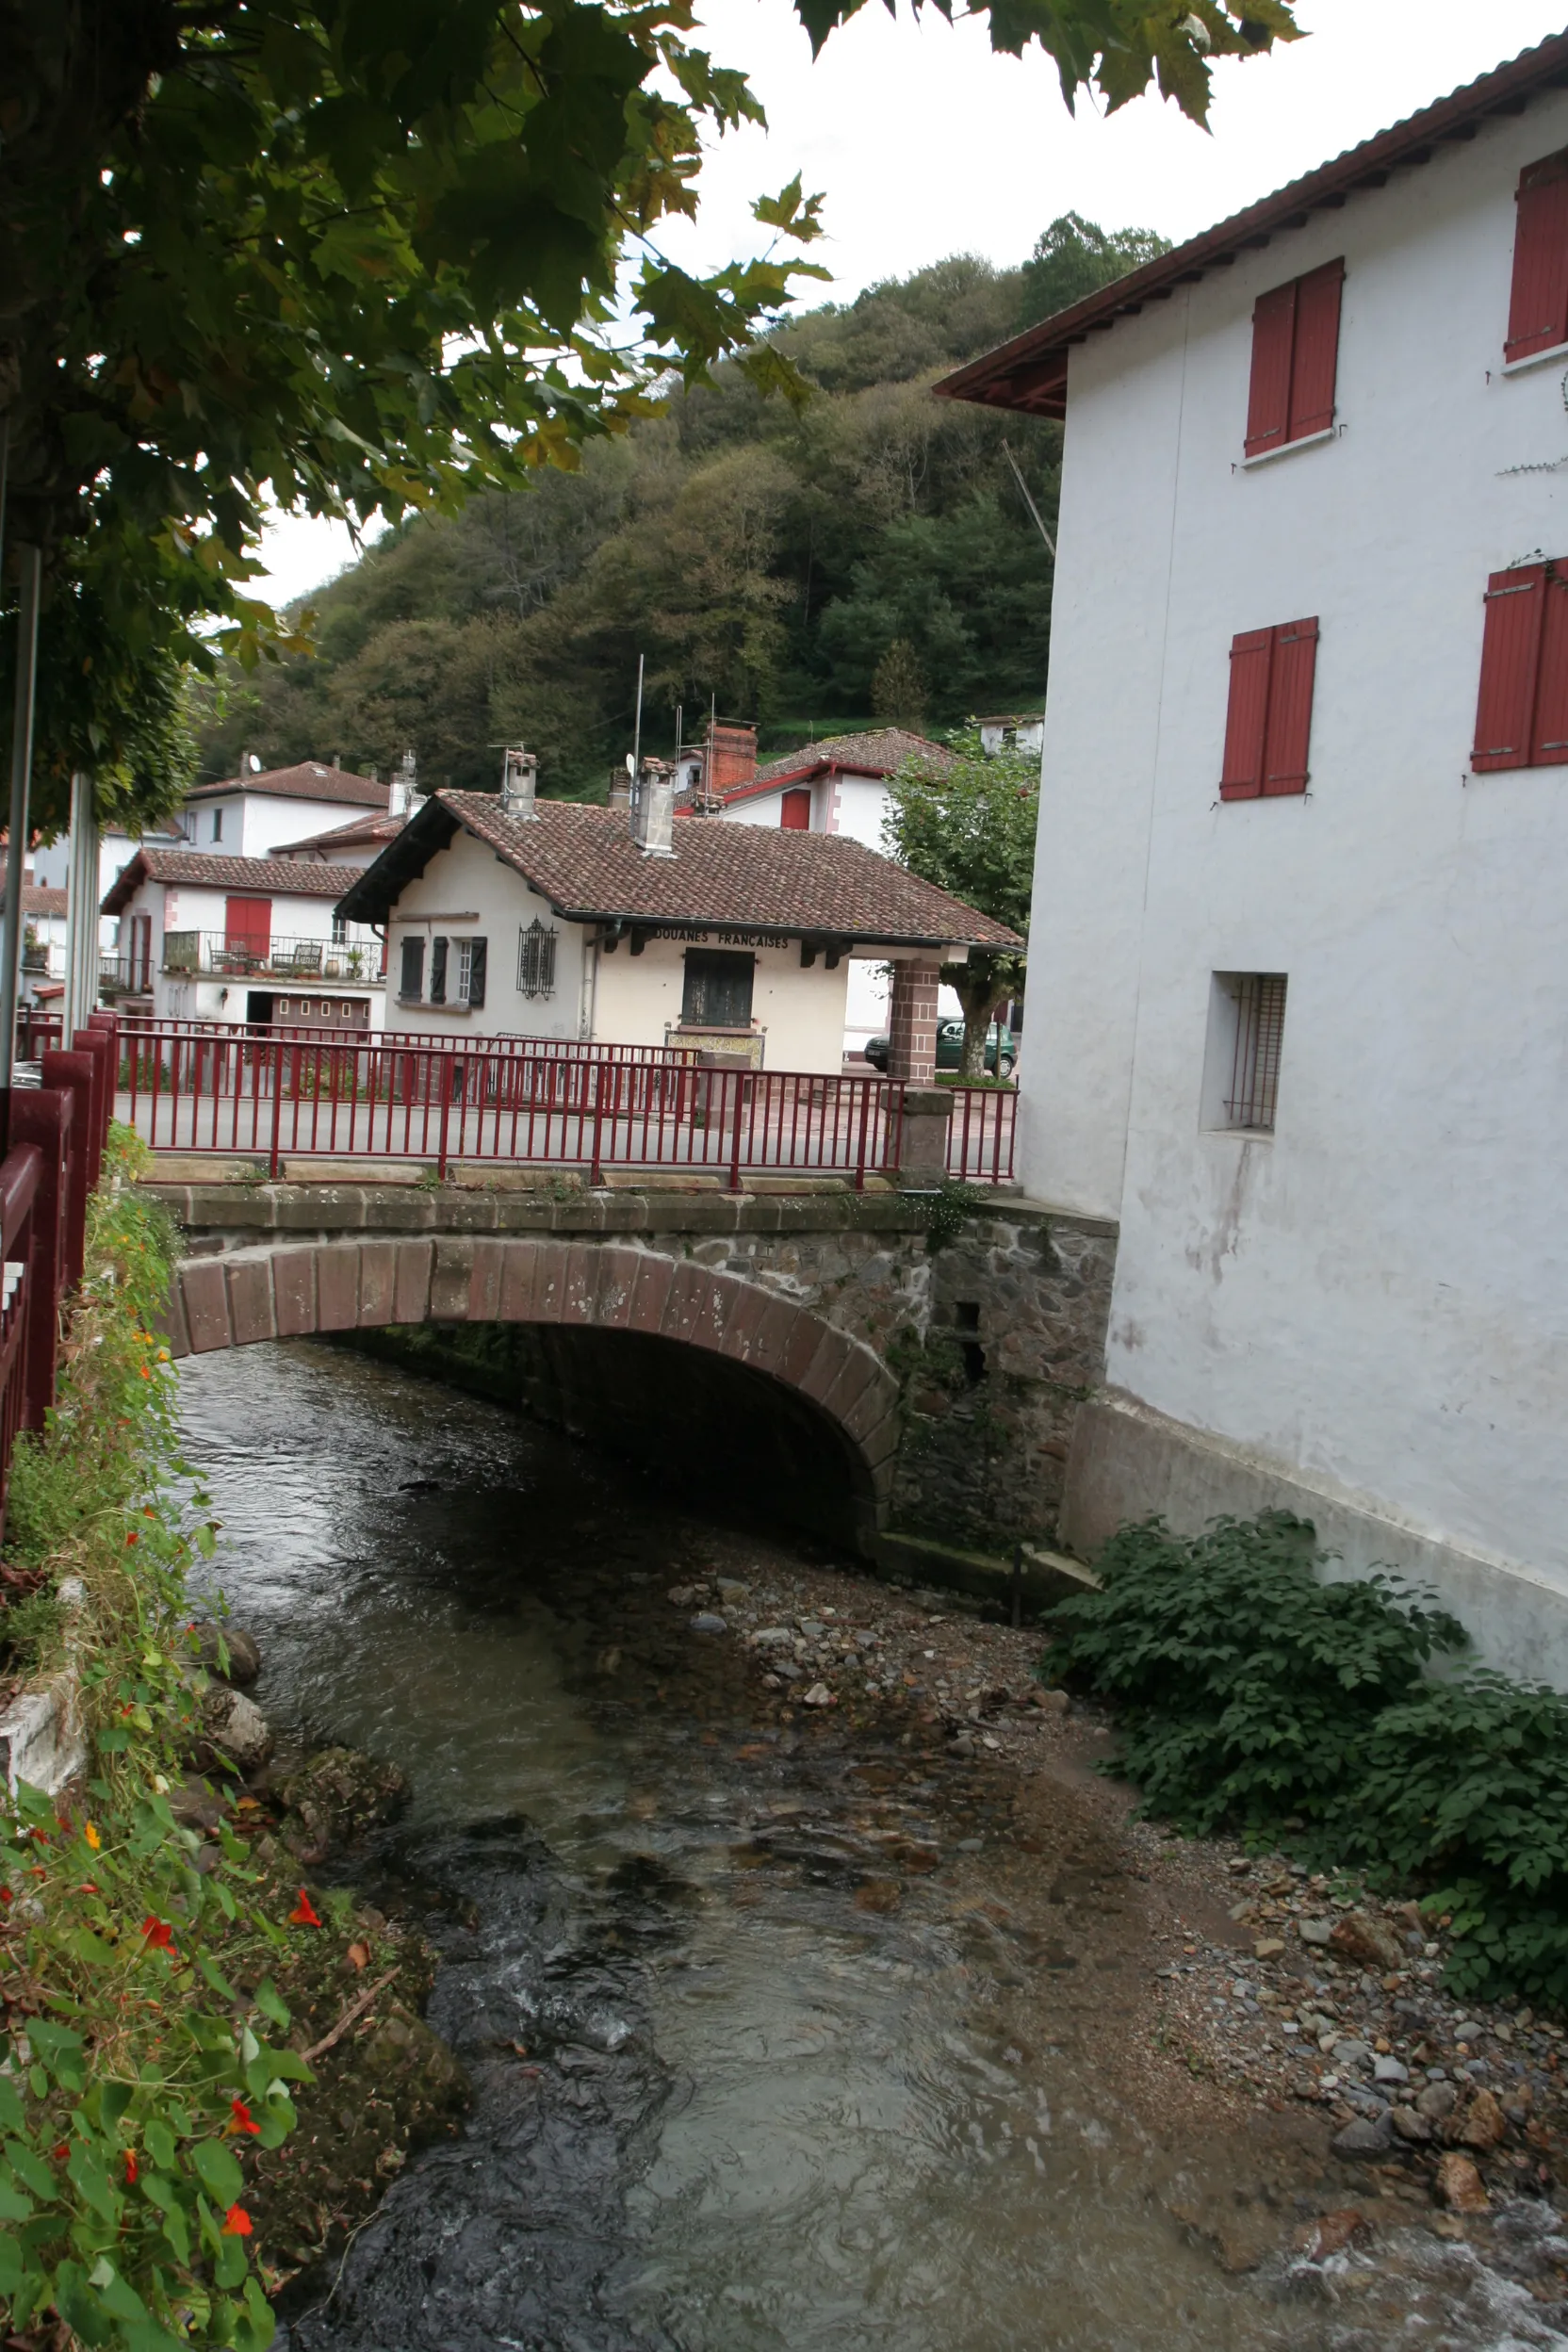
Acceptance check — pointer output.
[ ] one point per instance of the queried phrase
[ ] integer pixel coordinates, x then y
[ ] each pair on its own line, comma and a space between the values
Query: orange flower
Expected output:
132, 2168
159, 1934
304, 1912
92, 1837
131, 1537
240, 2119
237, 2222
145, 1374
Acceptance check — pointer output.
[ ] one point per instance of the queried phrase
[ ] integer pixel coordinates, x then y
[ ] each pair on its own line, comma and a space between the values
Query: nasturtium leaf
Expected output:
215, 2167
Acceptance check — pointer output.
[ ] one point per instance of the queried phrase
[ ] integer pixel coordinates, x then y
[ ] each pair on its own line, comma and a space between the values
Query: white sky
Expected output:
926, 143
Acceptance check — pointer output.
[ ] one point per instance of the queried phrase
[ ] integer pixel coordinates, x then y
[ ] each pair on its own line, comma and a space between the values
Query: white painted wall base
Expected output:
1128, 1461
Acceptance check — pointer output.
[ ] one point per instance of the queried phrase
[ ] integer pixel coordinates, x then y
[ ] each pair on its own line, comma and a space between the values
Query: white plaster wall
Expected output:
857, 808
1377, 1296
255, 823
801, 1013
468, 879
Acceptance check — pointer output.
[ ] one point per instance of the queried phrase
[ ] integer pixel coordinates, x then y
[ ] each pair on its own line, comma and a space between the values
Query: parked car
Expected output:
950, 1048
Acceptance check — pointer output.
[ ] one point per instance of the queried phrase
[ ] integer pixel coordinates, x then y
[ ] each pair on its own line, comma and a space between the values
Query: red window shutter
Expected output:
1315, 360
1511, 656
248, 923
1252, 657
1290, 729
796, 815
1549, 734
1538, 310
1273, 342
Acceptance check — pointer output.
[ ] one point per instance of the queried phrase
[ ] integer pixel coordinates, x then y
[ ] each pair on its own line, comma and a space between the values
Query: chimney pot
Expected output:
653, 810
519, 783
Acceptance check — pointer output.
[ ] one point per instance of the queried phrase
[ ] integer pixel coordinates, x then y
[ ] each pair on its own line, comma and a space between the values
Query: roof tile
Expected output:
269, 878
309, 779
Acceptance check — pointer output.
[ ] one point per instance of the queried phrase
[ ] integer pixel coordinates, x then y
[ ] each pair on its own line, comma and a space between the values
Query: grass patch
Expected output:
1254, 1698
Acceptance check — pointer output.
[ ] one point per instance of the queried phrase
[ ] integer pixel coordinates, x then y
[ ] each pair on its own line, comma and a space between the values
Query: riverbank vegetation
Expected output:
144, 2054
1254, 1698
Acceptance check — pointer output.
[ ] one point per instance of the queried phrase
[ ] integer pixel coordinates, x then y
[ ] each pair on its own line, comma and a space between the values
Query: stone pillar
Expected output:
923, 1137
912, 1023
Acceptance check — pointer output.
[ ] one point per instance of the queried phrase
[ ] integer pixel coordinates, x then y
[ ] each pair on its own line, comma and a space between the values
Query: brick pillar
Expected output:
912, 1024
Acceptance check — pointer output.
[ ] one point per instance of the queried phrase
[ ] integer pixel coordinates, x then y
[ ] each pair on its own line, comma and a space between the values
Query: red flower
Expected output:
240, 2118
88, 1888
62, 2152
158, 1933
237, 2222
132, 2168
304, 1912
131, 1536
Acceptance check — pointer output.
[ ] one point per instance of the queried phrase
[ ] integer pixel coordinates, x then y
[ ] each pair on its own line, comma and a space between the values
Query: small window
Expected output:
796, 813
218, 824
1522, 709
1268, 721
1538, 307
718, 988
1241, 1067
412, 986
536, 960
340, 930
471, 960
1295, 360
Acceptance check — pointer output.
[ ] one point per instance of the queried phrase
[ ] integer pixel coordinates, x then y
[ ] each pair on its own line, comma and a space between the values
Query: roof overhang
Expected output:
1030, 373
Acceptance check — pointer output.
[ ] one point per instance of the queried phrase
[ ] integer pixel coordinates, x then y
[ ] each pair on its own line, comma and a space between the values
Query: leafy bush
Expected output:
1255, 1698
136, 2066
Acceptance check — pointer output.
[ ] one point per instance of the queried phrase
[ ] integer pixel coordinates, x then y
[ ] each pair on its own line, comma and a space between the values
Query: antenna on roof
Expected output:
637, 728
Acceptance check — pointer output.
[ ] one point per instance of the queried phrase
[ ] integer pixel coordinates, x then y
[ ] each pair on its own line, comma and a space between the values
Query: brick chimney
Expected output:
732, 759
653, 810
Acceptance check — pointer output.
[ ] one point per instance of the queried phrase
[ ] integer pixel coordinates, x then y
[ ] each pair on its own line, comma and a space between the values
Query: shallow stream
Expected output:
720, 2103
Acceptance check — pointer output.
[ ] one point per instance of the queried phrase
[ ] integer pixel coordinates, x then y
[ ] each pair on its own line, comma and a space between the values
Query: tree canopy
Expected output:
367, 257
969, 827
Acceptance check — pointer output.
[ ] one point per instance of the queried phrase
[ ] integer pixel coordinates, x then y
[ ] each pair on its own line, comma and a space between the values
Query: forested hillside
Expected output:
868, 556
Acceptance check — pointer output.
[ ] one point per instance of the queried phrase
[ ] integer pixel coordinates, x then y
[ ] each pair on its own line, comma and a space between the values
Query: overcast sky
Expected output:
925, 143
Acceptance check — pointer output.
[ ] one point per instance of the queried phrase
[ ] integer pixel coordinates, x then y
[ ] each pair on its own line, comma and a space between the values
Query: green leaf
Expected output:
159, 2142
269, 2001
10, 2105
214, 2164
31, 2171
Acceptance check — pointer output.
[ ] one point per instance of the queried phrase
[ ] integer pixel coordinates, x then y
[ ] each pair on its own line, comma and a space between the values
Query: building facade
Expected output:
1301, 1001
251, 939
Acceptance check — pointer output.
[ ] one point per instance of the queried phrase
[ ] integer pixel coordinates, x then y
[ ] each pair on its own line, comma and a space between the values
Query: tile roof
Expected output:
309, 779
584, 862
373, 832
38, 901
1030, 373
267, 877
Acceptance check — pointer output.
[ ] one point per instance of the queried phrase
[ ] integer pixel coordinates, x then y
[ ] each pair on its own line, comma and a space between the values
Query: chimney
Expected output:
653, 810
620, 788
406, 797
734, 757
520, 782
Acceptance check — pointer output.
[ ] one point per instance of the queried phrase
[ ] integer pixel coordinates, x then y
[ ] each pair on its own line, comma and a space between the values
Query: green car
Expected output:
950, 1049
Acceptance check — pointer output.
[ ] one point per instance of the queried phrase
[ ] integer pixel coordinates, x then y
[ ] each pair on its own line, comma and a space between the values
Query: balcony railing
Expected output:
357, 958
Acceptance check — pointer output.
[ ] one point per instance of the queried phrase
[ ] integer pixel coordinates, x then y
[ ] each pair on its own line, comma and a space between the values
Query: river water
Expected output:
719, 2104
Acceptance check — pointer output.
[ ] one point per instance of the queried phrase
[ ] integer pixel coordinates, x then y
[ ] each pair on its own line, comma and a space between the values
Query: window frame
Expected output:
1531, 640
717, 963
1294, 372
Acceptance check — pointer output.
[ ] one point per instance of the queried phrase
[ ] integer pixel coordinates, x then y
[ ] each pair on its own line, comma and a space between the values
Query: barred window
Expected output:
536, 960
1246, 1040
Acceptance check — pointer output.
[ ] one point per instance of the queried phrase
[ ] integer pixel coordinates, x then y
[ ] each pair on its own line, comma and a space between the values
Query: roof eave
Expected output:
1029, 373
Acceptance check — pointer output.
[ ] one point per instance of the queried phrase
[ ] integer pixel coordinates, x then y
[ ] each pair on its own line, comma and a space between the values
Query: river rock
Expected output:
818, 1695
244, 1655
733, 1592
1437, 2100
234, 1727
1364, 2138
772, 1637
1351, 2054
1482, 2125
1411, 2127
1357, 1937
705, 1622
338, 1795
1459, 2184
1389, 2070
1318, 1931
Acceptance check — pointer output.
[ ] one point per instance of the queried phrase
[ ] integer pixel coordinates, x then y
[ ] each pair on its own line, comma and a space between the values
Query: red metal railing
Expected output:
305, 1096
538, 1049
54, 1137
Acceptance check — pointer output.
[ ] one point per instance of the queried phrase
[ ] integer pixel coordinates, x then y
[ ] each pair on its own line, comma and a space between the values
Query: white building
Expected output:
1300, 997
259, 940
251, 815
515, 917
838, 786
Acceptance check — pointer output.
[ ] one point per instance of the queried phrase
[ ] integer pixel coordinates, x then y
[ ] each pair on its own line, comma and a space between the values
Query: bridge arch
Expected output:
298, 1290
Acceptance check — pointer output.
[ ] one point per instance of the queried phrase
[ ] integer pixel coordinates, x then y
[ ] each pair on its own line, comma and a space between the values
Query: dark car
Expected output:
950, 1048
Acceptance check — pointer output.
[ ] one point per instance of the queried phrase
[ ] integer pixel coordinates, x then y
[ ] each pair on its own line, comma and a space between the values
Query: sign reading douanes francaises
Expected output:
710, 938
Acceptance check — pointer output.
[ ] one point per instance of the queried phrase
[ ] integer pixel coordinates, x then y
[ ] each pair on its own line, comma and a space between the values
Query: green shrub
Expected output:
1253, 1697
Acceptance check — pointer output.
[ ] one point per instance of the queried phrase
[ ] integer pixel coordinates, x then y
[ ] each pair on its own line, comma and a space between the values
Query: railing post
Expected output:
276, 1052
71, 1073
44, 1118
595, 1169
445, 1115
737, 1080
94, 1040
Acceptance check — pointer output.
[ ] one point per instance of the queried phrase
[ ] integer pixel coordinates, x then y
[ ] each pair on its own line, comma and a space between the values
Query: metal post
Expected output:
81, 925
29, 566
637, 734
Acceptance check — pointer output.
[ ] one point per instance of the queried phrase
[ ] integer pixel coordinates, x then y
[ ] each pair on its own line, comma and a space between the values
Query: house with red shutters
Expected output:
1299, 990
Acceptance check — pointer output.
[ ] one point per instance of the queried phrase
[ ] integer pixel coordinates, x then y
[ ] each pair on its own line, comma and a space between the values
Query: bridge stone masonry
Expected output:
817, 1353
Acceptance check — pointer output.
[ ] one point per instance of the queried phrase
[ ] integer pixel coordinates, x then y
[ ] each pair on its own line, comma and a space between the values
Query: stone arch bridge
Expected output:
810, 1343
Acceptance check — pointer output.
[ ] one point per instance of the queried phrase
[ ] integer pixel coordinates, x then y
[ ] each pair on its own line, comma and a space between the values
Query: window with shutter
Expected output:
1538, 306
1295, 360
1268, 723
536, 960
1522, 708
479, 957
795, 814
411, 986
438, 972
717, 992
